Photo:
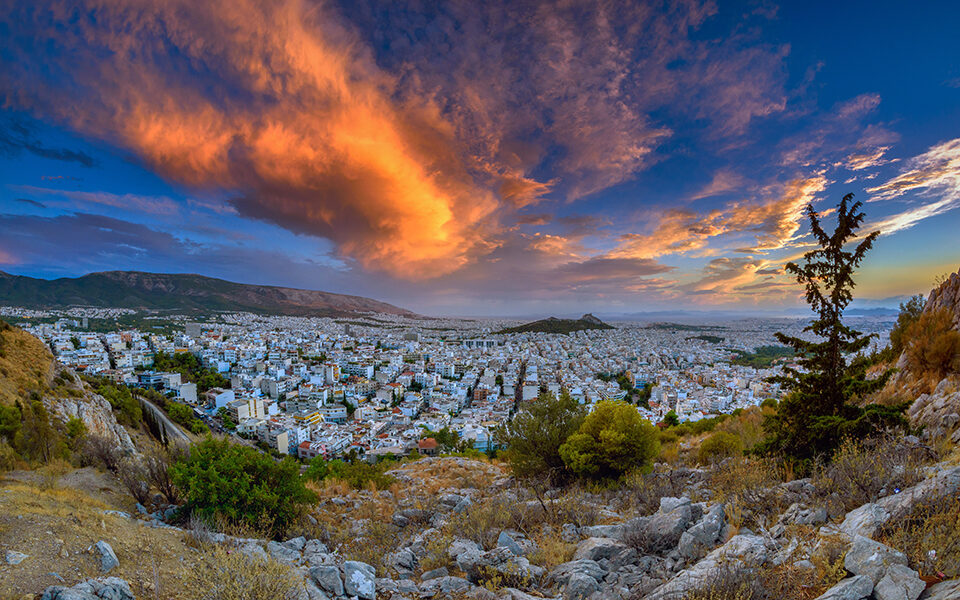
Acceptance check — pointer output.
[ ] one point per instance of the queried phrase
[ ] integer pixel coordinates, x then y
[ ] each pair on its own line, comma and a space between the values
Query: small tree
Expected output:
909, 313
612, 441
817, 412
534, 436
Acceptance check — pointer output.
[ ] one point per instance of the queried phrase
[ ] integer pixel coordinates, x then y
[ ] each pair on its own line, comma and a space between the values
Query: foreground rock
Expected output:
109, 588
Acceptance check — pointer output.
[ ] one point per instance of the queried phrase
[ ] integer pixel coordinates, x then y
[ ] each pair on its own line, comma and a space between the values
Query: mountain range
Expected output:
183, 292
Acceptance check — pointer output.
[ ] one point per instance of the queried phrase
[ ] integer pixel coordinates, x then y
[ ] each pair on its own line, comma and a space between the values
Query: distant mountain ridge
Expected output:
187, 292
555, 325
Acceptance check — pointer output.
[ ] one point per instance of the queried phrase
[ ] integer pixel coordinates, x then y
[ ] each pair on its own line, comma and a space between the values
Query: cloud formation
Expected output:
409, 139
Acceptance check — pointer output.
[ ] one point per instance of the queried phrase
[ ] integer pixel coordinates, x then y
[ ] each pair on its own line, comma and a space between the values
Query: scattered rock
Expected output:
580, 586
108, 559
900, 582
15, 558
109, 588
328, 579
597, 548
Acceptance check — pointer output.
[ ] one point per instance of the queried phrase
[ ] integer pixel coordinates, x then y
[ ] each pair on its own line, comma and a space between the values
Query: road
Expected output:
173, 431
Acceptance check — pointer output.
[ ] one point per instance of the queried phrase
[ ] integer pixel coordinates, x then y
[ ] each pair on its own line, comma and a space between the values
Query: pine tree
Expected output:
818, 410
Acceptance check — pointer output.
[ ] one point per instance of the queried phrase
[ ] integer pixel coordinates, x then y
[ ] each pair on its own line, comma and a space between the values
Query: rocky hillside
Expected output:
28, 370
935, 403
457, 528
182, 292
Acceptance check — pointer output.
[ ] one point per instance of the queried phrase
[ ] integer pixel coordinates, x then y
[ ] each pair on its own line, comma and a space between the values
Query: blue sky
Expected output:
521, 158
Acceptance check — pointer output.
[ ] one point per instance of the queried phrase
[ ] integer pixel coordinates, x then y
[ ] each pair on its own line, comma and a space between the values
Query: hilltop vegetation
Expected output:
554, 325
25, 364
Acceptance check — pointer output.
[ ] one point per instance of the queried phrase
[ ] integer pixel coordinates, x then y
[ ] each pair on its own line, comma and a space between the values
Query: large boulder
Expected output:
900, 582
854, 588
867, 519
945, 590
283, 553
562, 573
580, 586
699, 539
743, 551
359, 579
444, 586
596, 548
328, 579
872, 559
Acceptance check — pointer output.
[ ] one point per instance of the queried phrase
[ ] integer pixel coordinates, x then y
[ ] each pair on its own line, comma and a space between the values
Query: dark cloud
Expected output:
16, 137
31, 202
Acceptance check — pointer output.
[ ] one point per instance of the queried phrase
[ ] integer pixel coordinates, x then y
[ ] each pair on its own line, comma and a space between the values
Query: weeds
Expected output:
930, 537
222, 574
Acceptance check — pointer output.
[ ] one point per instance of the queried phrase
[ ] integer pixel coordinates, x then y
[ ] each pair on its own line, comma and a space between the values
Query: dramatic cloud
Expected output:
408, 139
934, 175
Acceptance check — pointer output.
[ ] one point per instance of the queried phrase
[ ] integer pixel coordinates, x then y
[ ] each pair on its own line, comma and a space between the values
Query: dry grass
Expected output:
862, 472
747, 487
222, 574
25, 365
551, 549
930, 537
641, 492
54, 521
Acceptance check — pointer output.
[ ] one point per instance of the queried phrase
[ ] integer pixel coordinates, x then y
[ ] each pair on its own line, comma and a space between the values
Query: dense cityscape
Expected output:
381, 384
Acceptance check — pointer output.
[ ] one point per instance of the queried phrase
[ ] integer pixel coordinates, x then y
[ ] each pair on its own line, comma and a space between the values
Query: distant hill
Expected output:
555, 325
195, 293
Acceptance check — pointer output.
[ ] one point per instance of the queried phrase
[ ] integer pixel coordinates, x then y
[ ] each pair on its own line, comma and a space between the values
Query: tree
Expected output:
9, 422
909, 313
534, 436
671, 419
39, 440
242, 485
818, 411
612, 441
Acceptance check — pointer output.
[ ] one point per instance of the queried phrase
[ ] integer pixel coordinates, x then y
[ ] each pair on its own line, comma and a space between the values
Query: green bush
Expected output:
534, 436
718, 446
126, 407
612, 441
222, 480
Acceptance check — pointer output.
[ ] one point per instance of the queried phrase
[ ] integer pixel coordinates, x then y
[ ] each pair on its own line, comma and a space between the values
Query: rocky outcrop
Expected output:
109, 588
97, 415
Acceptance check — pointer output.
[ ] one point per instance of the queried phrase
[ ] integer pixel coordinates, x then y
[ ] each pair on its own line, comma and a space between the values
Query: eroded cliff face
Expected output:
97, 415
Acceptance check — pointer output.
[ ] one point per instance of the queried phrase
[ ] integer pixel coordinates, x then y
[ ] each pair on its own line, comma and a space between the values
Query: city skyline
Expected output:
511, 160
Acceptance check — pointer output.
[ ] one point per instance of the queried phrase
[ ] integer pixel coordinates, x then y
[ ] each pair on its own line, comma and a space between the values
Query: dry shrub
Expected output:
748, 425
133, 476
641, 492
221, 574
378, 540
100, 452
718, 446
436, 552
930, 537
51, 473
747, 486
736, 581
482, 522
863, 472
157, 467
551, 549
933, 346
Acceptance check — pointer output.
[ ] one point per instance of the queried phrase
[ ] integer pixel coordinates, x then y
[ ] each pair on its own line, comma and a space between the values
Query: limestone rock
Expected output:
945, 590
873, 559
853, 588
900, 582
108, 559
596, 548
359, 579
580, 586
328, 578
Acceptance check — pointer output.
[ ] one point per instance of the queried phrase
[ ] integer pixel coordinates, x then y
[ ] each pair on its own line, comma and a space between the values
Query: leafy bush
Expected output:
932, 345
718, 446
182, 414
534, 436
219, 479
613, 440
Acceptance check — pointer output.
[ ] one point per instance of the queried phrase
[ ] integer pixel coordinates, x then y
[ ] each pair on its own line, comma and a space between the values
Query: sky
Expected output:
495, 158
